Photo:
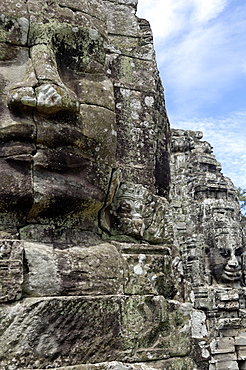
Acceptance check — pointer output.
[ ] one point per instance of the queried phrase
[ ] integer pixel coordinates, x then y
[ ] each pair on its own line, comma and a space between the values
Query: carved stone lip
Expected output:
232, 275
60, 159
16, 148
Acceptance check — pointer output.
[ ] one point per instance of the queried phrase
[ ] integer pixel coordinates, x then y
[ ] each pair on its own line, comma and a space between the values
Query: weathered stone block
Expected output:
228, 294
171, 364
91, 7
120, 20
73, 271
223, 345
136, 137
132, 73
64, 331
149, 272
15, 76
72, 330
14, 28
135, 47
44, 62
229, 306
40, 14
198, 324
226, 365
241, 340
229, 323
126, 2
241, 352
13, 8
8, 149
230, 332
229, 356
94, 90
59, 236
99, 123
150, 322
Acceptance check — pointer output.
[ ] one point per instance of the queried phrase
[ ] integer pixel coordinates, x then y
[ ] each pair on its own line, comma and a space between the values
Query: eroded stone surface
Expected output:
39, 331
122, 245
74, 271
11, 270
37, 99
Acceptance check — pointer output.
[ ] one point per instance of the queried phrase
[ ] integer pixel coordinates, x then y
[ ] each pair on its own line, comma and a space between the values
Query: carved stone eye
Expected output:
239, 251
125, 208
225, 253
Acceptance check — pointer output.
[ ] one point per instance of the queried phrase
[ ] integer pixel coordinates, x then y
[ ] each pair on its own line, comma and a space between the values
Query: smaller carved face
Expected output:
225, 258
129, 209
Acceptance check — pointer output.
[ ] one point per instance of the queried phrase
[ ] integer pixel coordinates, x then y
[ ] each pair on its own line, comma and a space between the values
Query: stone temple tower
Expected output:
121, 242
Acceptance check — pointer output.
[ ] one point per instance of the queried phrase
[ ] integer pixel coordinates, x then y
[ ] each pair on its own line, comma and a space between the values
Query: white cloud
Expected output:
168, 17
201, 68
201, 48
206, 10
163, 15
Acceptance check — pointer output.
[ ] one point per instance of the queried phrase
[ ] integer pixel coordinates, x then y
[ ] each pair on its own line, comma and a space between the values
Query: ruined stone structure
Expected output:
121, 241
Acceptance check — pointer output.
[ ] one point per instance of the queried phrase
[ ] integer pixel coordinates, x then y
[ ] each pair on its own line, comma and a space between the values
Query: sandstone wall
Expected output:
121, 240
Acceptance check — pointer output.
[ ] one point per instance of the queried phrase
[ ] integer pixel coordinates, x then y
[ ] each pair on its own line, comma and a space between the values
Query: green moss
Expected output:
6, 24
75, 47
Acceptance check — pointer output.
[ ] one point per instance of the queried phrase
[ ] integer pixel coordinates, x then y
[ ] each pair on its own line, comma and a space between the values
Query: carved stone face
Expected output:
129, 208
57, 120
225, 258
138, 213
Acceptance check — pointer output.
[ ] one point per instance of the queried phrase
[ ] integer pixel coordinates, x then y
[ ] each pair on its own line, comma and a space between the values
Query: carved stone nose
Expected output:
47, 98
52, 99
233, 262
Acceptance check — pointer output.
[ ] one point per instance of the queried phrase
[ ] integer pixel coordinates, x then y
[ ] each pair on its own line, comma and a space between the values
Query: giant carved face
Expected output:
57, 120
225, 257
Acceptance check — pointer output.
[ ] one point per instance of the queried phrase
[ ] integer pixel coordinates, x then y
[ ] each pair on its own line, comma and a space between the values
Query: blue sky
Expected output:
201, 53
